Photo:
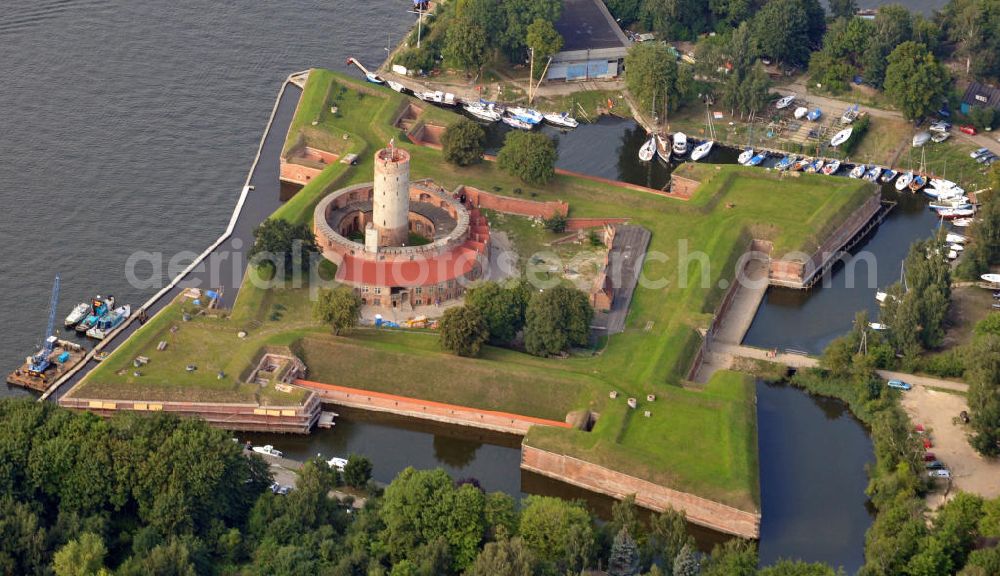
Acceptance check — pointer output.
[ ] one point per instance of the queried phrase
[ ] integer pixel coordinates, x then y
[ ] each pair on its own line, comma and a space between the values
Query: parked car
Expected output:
979, 152
899, 385
967, 129
940, 126
929, 457
935, 465
943, 473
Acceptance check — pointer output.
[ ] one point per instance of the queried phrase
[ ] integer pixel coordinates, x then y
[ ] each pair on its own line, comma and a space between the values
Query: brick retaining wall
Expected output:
426, 409
510, 205
584, 223
649, 495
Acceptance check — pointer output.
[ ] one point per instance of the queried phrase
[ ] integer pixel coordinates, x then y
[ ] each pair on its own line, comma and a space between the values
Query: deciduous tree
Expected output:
531, 156
915, 81
287, 246
463, 331
340, 308
557, 319
462, 142
465, 44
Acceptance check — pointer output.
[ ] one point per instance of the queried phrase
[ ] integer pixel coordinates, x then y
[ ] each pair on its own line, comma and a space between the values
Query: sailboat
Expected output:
648, 149
702, 150
800, 112
841, 137
858, 171
903, 181
785, 102
831, 168
786, 162
663, 148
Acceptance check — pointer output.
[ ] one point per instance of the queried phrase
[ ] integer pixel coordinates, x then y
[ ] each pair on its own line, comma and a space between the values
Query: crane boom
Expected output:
40, 362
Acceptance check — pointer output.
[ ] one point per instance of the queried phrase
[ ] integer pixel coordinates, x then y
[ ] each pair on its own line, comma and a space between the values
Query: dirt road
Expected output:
938, 412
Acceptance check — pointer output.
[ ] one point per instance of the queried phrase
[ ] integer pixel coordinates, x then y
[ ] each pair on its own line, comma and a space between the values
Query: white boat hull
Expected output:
702, 150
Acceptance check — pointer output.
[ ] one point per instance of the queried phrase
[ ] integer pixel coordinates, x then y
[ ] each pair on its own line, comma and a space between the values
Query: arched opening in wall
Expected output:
289, 189
583, 419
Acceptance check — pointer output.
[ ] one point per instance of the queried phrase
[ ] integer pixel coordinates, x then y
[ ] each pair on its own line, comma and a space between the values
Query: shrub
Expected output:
463, 142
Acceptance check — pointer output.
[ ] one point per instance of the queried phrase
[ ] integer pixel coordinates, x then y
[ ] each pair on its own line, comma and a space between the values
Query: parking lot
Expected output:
938, 412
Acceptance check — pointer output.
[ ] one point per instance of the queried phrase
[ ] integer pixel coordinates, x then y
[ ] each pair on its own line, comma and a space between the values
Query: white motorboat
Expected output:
337, 463
483, 110
939, 137
785, 102
517, 123
79, 312
881, 297
745, 156
561, 119
395, 85
702, 150
680, 144
849, 115
888, 176
268, 450
963, 222
877, 326
952, 213
991, 278
800, 112
903, 181
858, 171
954, 238
956, 247
439, 97
831, 168
663, 148
952, 254
921, 138
841, 137
648, 149
528, 115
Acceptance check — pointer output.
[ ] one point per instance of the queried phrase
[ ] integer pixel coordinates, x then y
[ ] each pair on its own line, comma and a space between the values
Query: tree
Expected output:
530, 156
782, 31
558, 532
283, 244
624, 559
556, 223
357, 471
797, 568
463, 331
983, 375
422, 507
668, 531
502, 307
462, 142
544, 41
892, 26
735, 557
505, 557
686, 563
518, 15
651, 76
83, 556
339, 307
465, 44
843, 8
915, 81
557, 319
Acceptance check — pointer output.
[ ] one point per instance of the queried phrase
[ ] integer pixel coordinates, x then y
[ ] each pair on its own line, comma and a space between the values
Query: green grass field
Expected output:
700, 440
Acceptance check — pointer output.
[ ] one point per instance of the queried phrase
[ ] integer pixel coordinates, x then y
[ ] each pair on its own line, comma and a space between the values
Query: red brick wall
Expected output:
520, 206
682, 187
297, 173
583, 223
596, 478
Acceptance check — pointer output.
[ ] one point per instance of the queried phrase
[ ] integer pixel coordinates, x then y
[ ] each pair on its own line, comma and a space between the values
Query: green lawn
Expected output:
702, 440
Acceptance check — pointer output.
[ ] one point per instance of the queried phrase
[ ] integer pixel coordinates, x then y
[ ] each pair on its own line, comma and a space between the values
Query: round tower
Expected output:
391, 197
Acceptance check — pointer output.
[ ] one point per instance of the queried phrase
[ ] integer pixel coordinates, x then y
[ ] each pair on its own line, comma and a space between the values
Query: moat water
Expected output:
130, 126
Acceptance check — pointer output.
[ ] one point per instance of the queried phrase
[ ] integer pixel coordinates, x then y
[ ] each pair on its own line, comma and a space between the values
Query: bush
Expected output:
982, 117
556, 223
463, 142
528, 155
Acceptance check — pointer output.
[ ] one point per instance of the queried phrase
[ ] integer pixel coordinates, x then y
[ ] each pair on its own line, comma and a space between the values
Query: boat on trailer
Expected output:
785, 102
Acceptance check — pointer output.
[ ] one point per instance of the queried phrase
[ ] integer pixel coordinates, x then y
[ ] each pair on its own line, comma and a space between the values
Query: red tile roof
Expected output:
421, 271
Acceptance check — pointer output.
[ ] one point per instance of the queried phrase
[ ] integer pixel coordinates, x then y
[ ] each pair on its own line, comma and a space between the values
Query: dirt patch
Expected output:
969, 305
938, 412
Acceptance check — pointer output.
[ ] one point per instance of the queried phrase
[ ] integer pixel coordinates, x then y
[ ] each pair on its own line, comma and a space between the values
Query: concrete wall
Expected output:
426, 409
596, 478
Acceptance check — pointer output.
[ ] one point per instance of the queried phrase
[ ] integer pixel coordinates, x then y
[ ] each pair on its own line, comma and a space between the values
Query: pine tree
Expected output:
624, 559
686, 563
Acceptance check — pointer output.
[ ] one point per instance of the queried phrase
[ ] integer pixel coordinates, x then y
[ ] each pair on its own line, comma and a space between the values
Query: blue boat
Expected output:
107, 323
918, 182
814, 114
873, 173
756, 160
786, 162
98, 308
